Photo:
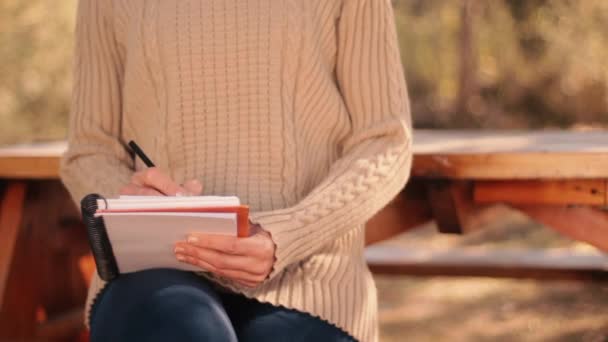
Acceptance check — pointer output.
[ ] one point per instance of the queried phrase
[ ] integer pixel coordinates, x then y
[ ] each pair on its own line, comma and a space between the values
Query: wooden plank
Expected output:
579, 223
542, 265
510, 142
29, 167
34, 161
512, 166
407, 211
43, 149
510, 154
556, 192
491, 155
11, 211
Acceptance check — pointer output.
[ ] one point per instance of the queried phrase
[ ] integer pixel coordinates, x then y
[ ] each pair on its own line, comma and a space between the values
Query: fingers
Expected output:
153, 182
193, 187
207, 263
155, 178
258, 244
251, 265
245, 260
134, 190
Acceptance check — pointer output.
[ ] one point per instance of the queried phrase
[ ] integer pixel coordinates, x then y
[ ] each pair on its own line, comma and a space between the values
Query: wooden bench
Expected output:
561, 179
558, 178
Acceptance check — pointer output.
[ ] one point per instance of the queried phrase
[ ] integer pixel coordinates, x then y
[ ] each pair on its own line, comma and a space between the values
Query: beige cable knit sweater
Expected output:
299, 107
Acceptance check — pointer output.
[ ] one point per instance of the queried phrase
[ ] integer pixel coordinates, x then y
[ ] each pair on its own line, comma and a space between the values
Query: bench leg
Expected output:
44, 287
454, 209
407, 211
15, 312
580, 223
11, 209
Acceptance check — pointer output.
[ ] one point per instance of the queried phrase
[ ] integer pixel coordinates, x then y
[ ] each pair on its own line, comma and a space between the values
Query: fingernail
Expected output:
179, 194
180, 257
199, 185
178, 250
192, 239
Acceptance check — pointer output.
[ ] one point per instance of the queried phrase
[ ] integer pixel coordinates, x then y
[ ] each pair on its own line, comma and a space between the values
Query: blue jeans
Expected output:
171, 305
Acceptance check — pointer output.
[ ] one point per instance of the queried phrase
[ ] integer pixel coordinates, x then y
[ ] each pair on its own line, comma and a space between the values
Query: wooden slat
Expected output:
34, 161
29, 167
11, 210
491, 155
557, 192
42, 149
510, 154
545, 265
512, 166
503, 141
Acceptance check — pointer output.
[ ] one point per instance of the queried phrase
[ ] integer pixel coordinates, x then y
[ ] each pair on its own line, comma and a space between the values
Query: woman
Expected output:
298, 107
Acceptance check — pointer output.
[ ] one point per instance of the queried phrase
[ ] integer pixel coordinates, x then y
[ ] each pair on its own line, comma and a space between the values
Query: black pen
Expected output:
140, 153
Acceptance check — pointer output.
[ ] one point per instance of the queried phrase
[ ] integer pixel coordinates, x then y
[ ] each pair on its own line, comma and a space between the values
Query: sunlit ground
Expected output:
484, 309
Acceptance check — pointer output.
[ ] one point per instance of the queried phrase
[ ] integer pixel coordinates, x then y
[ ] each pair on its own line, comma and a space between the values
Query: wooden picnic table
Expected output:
558, 178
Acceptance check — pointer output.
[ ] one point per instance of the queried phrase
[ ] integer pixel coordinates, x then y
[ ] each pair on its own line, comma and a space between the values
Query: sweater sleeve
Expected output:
376, 159
96, 160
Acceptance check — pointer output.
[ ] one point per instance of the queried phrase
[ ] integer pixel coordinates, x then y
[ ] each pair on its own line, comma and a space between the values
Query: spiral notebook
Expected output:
134, 233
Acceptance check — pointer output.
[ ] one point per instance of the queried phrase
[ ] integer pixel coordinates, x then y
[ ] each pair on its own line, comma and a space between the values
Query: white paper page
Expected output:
146, 240
155, 202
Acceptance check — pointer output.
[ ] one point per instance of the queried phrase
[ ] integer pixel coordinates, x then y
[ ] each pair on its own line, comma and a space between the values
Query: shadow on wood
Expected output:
407, 211
44, 281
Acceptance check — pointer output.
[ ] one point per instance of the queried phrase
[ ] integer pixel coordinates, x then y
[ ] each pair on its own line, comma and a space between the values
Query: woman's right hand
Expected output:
154, 182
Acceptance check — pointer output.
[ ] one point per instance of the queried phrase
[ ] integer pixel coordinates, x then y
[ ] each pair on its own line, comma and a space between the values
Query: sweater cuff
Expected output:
298, 231
285, 235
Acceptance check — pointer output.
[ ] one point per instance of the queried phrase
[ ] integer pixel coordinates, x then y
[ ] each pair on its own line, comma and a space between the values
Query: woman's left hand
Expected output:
248, 261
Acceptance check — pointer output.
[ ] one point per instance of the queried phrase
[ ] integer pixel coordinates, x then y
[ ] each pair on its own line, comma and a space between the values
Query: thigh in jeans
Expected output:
160, 305
255, 321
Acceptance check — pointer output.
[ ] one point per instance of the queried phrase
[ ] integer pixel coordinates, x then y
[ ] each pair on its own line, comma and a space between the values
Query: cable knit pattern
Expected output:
299, 107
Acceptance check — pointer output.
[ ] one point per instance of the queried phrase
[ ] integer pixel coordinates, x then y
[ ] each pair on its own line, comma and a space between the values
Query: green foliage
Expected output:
538, 63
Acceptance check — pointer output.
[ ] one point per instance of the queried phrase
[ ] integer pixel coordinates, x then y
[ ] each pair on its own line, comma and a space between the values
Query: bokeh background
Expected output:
499, 64
469, 64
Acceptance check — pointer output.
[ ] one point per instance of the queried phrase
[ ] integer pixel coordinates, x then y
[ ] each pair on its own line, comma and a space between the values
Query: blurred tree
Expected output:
35, 50
478, 64
507, 63
467, 85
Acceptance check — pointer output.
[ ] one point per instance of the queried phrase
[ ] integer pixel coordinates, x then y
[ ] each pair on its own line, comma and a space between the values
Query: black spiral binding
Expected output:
98, 238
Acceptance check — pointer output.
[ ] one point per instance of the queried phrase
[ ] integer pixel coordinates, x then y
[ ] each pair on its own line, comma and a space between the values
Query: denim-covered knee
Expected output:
160, 305
181, 313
